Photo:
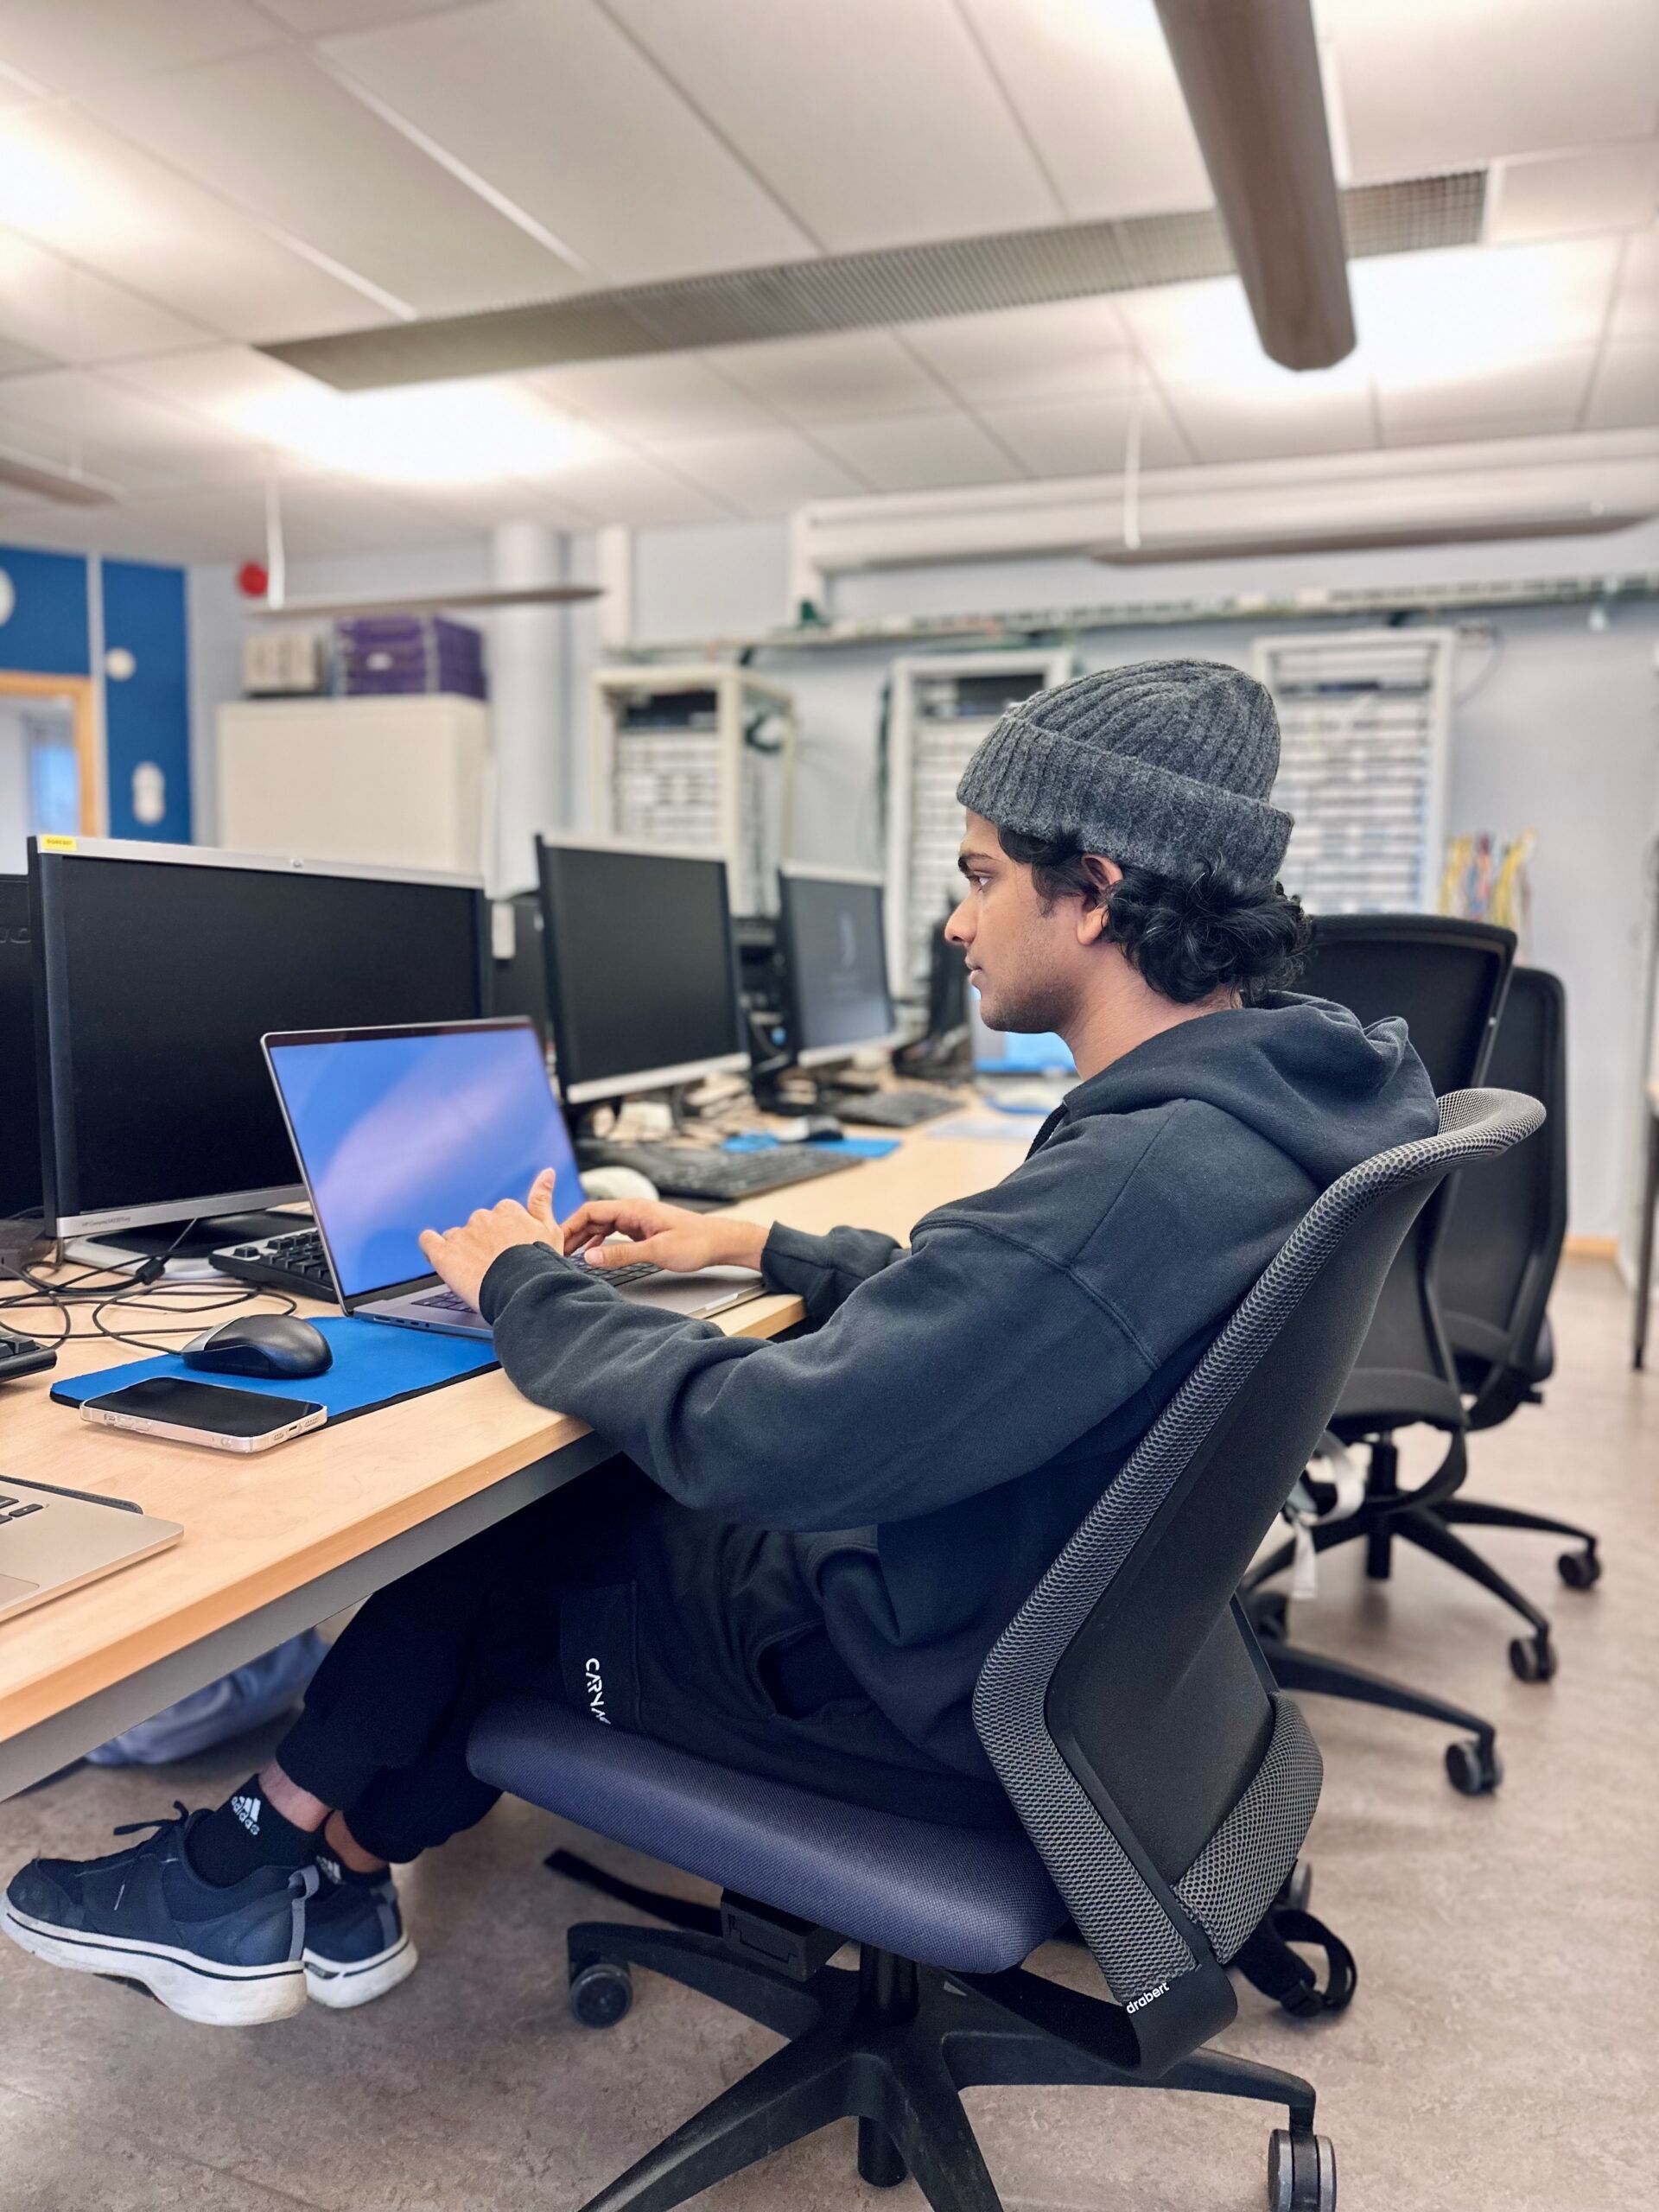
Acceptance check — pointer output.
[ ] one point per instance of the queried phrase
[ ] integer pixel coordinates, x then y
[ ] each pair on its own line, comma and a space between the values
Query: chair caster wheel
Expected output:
601, 1993
1578, 1570
1301, 2173
1475, 1768
1298, 1887
1532, 1659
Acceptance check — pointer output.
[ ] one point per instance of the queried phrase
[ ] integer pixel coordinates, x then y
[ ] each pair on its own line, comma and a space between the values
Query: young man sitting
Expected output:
803, 1551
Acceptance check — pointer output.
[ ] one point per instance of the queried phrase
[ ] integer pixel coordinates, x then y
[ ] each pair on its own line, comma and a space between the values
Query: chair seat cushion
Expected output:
974, 1900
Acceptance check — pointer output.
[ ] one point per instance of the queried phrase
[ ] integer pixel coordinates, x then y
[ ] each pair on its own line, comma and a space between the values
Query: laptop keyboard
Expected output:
12, 1509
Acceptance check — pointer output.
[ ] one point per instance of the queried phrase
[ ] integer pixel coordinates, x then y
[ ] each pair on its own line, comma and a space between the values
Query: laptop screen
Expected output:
399, 1130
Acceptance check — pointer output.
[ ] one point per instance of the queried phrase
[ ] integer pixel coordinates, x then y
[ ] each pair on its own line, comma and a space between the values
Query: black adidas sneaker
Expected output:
228, 1957
356, 1947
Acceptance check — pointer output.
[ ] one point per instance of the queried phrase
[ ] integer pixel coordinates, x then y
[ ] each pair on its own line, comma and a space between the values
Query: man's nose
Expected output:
957, 931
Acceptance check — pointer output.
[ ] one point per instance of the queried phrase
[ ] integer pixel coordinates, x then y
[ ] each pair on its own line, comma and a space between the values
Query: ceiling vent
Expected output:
861, 291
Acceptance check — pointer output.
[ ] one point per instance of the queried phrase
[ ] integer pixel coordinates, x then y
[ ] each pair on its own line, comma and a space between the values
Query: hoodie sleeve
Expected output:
916, 1392
821, 1271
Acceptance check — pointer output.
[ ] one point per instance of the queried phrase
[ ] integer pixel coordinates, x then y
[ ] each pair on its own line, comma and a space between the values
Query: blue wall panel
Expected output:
45, 633
147, 714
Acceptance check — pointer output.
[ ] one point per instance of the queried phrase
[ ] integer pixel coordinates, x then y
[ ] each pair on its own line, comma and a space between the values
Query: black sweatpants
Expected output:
527, 1605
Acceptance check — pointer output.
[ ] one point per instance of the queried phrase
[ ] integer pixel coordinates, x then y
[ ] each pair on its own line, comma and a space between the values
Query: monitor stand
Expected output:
211, 1234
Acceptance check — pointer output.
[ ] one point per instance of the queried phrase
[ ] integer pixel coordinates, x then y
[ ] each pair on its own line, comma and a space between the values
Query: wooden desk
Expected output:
1645, 1234
273, 1545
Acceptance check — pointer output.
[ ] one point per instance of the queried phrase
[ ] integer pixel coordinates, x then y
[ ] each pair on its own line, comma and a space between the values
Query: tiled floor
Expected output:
1501, 2052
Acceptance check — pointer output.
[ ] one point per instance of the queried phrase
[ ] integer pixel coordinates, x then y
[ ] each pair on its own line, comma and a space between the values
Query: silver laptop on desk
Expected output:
398, 1130
50, 1543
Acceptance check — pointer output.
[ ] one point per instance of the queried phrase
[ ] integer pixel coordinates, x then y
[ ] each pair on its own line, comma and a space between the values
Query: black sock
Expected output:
245, 1833
334, 1870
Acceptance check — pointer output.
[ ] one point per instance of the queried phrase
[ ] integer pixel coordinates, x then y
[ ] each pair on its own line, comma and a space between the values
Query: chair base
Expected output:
1472, 1761
892, 2044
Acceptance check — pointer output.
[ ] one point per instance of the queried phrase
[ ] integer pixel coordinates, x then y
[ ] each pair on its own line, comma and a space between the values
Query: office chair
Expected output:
1506, 1222
1163, 1787
1448, 979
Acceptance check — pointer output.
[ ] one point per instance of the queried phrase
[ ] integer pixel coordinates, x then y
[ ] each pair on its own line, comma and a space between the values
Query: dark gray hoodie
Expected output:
905, 1473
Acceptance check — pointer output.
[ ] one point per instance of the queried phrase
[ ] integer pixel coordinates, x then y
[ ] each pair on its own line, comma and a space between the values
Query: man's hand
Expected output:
463, 1256
673, 1237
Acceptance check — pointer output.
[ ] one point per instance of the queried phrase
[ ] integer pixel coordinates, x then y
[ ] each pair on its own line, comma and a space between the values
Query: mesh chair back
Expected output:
1126, 1709
1506, 1220
1446, 978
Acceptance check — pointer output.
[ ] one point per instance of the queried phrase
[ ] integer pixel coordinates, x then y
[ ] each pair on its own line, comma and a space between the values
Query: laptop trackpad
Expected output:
11, 1589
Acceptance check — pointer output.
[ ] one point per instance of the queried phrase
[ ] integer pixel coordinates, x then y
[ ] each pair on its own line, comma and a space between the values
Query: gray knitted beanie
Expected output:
1164, 765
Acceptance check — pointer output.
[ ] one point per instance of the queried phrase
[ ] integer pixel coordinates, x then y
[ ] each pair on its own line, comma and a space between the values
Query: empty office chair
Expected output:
1448, 979
1506, 1222
1163, 1787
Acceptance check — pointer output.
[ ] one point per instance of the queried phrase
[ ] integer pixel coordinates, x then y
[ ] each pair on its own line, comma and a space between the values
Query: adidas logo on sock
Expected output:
247, 1810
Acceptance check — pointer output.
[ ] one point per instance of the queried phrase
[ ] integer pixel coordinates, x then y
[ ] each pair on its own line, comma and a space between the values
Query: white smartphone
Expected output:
204, 1412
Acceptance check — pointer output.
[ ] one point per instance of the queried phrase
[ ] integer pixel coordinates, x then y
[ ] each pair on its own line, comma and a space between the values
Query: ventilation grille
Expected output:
859, 291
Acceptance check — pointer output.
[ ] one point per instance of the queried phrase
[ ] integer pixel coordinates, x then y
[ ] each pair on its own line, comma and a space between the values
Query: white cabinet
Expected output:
401, 782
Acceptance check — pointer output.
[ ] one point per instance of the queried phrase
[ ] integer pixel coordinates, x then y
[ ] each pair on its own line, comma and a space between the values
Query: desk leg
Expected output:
1644, 1243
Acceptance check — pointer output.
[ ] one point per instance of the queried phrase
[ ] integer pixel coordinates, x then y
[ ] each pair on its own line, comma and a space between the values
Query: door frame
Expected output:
82, 695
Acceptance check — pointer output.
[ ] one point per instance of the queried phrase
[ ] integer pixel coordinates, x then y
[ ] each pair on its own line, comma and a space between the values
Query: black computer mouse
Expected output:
268, 1344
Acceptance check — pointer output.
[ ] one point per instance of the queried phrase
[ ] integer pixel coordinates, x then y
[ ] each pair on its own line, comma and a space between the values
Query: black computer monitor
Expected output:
641, 967
517, 964
19, 1128
831, 933
158, 969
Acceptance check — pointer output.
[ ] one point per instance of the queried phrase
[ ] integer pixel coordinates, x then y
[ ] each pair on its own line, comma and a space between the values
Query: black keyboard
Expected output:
683, 1171
886, 1110
296, 1262
22, 1356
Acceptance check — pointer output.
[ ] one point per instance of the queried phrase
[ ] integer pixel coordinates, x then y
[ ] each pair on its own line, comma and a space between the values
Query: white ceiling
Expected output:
181, 179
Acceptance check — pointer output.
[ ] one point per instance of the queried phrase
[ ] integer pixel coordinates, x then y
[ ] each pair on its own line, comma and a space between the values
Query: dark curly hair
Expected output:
1188, 935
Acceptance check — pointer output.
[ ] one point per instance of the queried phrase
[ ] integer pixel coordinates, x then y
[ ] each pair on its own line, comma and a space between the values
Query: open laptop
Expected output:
398, 1130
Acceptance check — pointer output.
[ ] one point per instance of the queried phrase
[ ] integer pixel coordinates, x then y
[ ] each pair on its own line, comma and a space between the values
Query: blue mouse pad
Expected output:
838, 1148
375, 1364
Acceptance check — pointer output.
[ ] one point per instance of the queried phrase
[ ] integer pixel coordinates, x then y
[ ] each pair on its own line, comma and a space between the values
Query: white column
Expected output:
526, 700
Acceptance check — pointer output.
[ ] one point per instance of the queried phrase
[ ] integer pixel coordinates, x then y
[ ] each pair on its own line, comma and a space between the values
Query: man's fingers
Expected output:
540, 1197
430, 1243
597, 1217
623, 1253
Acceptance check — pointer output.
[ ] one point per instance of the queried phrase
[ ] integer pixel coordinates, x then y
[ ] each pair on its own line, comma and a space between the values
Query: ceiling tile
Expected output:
1636, 301
761, 471
1625, 395
74, 187
72, 44
559, 110
625, 487
1095, 86
890, 128
144, 440
16, 361
1469, 310
920, 453
1567, 195
1073, 349
834, 376
314, 18
652, 395
1085, 437
1432, 85
1531, 397
274, 133
73, 314
220, 382
1307, 414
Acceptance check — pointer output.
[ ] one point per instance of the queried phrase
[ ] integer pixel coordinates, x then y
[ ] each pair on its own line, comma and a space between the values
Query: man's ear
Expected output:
1104, 874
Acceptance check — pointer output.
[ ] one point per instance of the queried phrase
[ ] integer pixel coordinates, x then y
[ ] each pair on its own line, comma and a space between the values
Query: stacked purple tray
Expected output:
405, 653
